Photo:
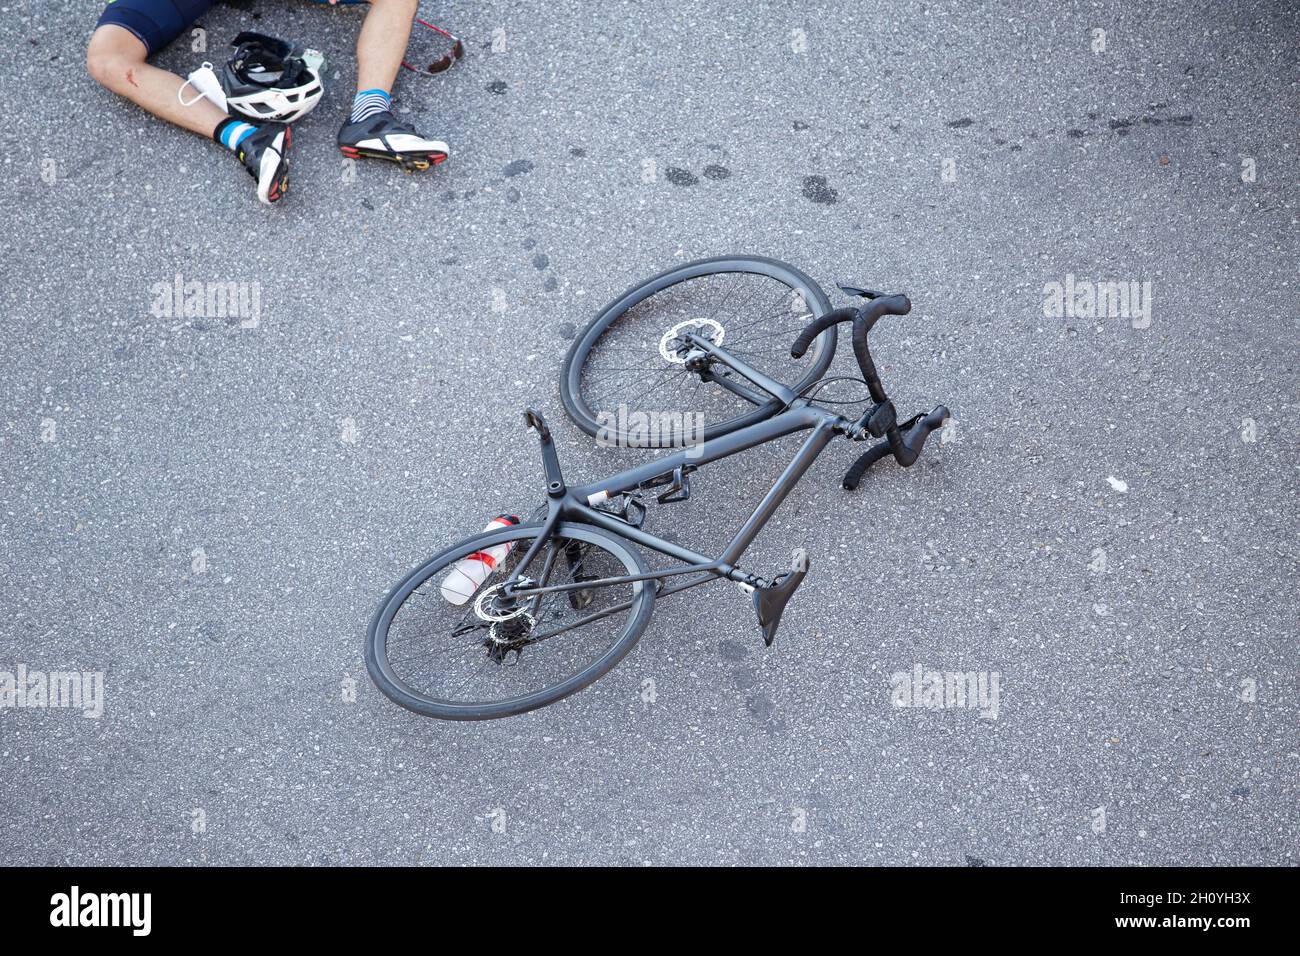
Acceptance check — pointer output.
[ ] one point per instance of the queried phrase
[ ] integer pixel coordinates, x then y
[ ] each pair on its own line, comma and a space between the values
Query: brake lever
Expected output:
876, 421
905, 443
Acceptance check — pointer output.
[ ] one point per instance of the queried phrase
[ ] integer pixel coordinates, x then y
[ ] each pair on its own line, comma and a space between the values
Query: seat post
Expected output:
555, 487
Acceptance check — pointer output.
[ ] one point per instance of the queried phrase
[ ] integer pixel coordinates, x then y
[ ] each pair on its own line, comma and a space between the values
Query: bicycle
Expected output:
568, 593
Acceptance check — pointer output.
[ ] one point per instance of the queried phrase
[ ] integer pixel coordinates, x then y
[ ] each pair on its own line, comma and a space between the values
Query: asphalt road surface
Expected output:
207, 509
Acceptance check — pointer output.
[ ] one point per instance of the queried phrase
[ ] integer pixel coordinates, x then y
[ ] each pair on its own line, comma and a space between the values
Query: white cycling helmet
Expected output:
269, 80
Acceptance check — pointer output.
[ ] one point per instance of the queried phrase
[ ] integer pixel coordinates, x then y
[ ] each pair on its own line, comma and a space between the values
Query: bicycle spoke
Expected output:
456, 654
751, 315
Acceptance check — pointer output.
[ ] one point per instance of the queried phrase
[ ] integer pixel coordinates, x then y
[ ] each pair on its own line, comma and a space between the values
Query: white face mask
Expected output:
205, 82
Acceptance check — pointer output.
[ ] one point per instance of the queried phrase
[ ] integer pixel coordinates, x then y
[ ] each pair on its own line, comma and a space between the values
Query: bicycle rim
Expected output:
626, 380
474, 662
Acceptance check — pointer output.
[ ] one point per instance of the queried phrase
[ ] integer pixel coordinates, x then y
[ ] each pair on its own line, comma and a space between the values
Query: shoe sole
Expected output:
273, 178
408, 161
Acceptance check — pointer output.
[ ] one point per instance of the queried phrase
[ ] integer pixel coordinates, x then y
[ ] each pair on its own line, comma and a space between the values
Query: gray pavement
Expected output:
207, 510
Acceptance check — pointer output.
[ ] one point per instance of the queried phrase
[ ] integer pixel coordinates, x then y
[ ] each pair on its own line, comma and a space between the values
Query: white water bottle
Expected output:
467, 574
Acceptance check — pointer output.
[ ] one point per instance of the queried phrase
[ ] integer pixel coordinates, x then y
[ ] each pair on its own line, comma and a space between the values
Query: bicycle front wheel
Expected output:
445, 645
630, 378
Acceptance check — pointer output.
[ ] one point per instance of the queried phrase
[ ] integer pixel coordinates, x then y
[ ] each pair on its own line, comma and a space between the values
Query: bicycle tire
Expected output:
820, 352
400, 692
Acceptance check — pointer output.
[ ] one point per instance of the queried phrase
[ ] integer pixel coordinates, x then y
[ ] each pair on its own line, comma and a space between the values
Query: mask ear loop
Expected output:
182, 98
189, 82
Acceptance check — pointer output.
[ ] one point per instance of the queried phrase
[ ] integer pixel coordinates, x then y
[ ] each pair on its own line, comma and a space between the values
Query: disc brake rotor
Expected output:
676, 349
487, 610
510, 629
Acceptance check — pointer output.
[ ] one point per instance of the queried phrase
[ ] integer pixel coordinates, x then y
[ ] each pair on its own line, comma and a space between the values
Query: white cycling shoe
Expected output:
383, 136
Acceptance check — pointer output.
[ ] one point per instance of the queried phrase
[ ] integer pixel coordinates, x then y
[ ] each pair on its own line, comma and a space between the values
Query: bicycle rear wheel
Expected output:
472, 661
626, 379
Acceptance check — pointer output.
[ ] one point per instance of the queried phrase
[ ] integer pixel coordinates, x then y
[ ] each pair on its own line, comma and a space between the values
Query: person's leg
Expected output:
371, 129
382, 42
129, 31
116, 59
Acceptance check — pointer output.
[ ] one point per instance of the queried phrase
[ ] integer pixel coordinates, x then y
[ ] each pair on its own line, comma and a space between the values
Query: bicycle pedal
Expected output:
574, 555
770, 602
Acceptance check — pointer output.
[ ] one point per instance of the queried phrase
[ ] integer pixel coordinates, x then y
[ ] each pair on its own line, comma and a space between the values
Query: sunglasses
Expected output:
444, 62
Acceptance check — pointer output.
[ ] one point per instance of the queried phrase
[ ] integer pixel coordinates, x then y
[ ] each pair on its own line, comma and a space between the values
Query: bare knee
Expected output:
109, 58
102, 65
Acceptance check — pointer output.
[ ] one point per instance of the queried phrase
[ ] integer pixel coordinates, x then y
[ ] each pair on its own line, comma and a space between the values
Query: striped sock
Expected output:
369, 102
231, 132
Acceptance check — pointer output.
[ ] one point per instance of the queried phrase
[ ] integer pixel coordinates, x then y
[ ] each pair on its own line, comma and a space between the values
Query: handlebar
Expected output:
903, 440
879, 305
904, 443
817, 326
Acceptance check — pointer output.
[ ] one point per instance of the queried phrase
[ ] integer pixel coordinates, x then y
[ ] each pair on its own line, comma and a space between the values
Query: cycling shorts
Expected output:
155, 23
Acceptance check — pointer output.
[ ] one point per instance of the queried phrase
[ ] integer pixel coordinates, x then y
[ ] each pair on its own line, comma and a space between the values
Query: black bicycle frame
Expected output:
578, 504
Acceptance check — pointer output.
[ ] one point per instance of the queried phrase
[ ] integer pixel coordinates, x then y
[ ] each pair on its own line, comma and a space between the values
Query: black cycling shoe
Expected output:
265, 154
383, 136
